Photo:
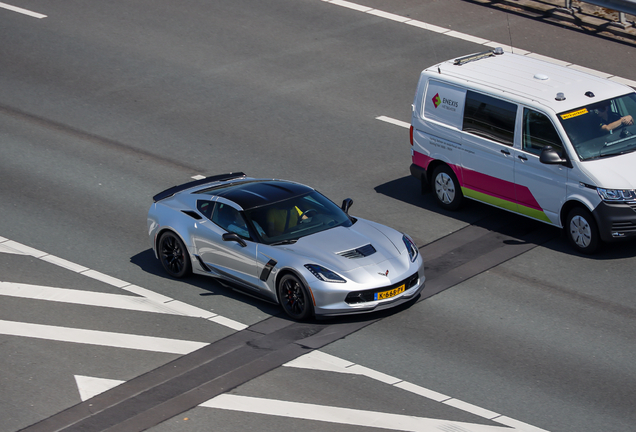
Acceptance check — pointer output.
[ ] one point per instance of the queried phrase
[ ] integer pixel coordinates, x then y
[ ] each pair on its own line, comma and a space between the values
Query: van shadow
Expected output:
520, 228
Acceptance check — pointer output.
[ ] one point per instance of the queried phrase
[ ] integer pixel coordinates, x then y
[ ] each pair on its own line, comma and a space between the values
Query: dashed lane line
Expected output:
162, 302
22, 11
470, 38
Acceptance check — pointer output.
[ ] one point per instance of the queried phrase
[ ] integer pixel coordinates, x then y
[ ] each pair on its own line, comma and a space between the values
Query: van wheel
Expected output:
446, 189
581, 230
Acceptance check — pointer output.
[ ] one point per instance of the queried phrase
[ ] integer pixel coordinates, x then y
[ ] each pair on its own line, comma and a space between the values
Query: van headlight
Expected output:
410, 247
617, 195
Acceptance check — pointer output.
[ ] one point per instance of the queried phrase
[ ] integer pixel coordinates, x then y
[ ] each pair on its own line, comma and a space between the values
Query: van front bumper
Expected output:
616, 221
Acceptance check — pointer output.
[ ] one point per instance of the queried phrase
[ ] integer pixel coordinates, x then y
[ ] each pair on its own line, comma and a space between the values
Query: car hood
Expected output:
326, 247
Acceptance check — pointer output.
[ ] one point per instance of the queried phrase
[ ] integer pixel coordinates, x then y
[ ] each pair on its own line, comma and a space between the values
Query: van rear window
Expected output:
490, 117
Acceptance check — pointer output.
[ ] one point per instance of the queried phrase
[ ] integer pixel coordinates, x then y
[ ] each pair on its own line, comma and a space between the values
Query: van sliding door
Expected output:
488, 157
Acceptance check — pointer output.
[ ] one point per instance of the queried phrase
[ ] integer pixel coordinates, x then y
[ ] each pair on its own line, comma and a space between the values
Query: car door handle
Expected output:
506, 152
523, 157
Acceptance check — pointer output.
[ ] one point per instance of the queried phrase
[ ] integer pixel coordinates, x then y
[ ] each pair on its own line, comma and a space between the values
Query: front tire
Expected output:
581, 230
294, 298
446, 189
174, 255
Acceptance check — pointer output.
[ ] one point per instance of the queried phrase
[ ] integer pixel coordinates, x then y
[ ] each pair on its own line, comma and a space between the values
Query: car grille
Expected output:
361, 252
356, 297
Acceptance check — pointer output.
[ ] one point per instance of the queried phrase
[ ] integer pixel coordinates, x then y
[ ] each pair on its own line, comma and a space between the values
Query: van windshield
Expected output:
602, 129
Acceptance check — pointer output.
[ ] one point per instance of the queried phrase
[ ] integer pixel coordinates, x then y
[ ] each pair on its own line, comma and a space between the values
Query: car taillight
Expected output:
411, 133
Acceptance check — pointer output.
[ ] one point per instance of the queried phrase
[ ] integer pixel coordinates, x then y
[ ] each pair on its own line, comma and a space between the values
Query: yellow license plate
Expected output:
390, 293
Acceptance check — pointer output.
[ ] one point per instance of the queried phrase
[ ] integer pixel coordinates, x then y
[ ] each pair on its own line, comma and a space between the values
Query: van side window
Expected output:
538, 132
490, 117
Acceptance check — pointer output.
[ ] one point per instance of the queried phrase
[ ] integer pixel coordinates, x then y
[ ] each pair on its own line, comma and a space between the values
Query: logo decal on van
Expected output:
436, 100
448, 104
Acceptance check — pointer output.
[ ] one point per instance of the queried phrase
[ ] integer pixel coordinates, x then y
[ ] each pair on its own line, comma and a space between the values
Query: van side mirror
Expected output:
346, 205
549, 156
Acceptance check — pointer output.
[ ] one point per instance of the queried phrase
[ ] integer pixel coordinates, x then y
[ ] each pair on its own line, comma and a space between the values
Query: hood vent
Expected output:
361, 252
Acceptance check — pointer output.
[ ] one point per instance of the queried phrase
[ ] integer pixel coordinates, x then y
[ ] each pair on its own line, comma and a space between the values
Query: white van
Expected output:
534, 138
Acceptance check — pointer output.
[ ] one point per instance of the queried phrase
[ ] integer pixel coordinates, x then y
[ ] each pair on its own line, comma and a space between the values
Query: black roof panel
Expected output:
250, 194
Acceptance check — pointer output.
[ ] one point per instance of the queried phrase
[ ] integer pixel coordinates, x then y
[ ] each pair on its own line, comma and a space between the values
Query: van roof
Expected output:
530, 78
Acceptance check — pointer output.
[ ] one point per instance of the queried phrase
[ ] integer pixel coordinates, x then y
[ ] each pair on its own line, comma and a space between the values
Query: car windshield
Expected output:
602, 129
287, 221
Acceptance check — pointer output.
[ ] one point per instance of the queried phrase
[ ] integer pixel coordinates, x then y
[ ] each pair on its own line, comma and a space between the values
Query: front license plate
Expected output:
390, 293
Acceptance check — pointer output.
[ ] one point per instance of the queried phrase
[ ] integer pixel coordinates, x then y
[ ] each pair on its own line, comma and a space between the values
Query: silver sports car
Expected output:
285, 242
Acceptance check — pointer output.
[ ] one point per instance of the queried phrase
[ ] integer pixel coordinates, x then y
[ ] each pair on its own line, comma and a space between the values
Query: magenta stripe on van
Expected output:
496, 188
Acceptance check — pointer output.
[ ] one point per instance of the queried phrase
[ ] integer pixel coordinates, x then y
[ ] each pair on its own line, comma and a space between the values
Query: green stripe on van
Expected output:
504, 204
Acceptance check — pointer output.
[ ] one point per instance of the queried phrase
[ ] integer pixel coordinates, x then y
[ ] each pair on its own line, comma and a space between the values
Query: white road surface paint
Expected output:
22, 11
148, 301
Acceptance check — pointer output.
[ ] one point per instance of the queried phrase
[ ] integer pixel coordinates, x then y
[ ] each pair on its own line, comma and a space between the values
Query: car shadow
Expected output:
407, 189
147, 262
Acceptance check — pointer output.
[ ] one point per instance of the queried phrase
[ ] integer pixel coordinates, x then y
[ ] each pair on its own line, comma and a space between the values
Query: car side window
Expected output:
539, 132
490, 117
205, 207
228, 218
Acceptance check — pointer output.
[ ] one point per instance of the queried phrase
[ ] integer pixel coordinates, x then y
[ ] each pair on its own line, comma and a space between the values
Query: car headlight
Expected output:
617, 195
324, 274
410, 247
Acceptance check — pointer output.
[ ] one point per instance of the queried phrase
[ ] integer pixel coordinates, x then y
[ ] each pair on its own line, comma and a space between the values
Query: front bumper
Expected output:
358, 301
616, 221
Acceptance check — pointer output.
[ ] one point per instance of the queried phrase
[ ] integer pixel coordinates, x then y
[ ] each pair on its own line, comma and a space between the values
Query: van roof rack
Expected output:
474, 57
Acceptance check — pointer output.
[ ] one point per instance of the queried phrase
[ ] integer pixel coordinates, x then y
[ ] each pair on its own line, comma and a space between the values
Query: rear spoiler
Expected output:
174, 189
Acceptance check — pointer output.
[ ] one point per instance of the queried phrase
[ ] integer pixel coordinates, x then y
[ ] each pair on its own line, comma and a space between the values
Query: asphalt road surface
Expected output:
103, 105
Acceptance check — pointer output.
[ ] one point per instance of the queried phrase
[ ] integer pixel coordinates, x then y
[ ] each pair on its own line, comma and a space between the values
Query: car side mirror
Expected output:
346, 205
234, 237
549, 156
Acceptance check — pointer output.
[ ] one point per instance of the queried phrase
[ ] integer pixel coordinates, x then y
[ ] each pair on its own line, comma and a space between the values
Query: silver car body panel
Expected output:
257, 267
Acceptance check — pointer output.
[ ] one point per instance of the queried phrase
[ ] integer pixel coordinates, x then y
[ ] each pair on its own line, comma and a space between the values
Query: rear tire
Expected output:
446, 189
174, 255
581, 230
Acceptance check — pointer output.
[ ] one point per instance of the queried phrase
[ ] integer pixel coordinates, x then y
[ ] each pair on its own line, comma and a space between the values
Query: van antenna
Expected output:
509, 34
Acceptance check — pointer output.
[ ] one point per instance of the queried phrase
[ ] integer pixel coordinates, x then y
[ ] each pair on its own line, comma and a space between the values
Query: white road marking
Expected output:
102, 338
89, 298
394, 121
91, 386
161, 302
345, 416
470, 38
318, 360
22, 11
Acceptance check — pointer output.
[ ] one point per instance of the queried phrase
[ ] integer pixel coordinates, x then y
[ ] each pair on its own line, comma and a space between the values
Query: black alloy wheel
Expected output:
174, 255
294, 298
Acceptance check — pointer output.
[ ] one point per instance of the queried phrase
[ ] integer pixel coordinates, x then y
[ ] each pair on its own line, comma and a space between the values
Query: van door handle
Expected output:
506, 152
523, 157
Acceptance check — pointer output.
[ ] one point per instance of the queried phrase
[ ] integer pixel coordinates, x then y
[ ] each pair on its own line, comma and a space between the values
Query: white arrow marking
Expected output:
318, 360
91, 386
346, 416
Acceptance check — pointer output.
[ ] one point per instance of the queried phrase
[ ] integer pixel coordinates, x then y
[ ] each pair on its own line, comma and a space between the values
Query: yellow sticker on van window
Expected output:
574, 113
